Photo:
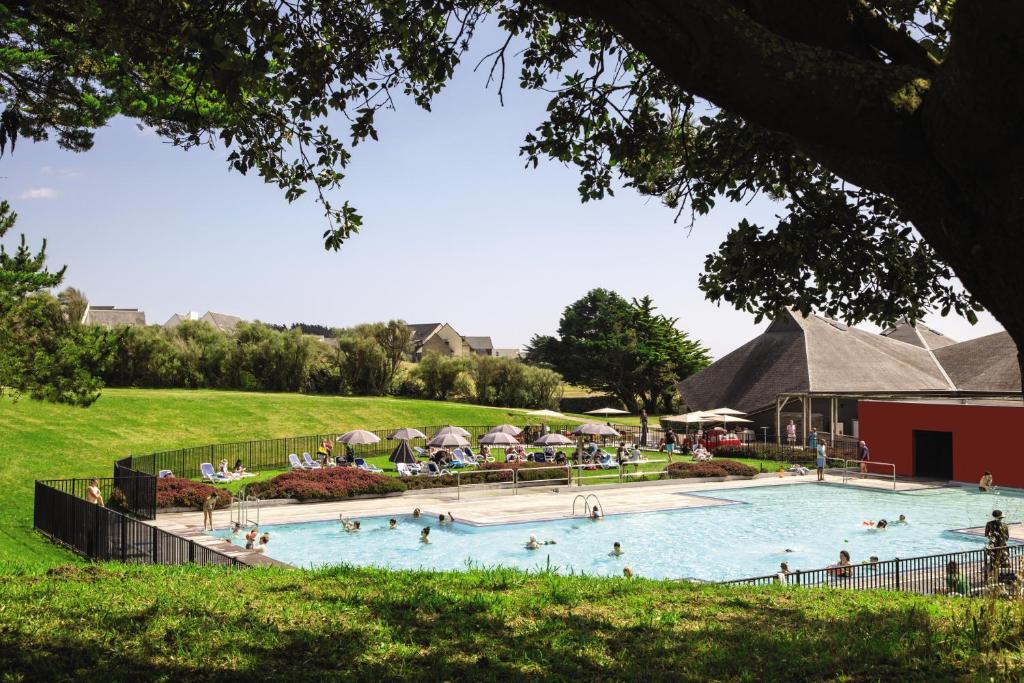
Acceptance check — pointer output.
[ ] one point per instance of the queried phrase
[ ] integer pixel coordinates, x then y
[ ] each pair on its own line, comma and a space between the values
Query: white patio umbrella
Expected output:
449, 440
553, 414
358, 437
407, 433
605, 412
595, 429
451, 430
725, 411
498, 439
554, 440
728, 419
504, 429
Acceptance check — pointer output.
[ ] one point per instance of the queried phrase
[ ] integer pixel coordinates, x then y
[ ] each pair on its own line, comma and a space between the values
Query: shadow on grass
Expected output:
484, 625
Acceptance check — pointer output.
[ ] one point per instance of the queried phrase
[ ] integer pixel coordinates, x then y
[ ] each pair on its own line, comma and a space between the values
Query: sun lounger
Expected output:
209, 474
293, 460
435, 471
461, 458
605, 461
309, 463
404, 470
363, 465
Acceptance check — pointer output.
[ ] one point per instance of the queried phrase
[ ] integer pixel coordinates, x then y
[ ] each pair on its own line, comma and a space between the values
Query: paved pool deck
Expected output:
501, 506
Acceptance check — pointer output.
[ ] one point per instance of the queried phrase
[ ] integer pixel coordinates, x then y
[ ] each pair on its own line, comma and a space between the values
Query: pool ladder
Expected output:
241, 508
586, 504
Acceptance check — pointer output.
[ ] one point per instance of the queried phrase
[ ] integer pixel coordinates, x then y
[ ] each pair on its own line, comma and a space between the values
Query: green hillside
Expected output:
47, 441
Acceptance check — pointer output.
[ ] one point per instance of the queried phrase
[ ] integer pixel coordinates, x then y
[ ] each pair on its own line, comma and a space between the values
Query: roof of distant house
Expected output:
987, 363
479, 343
422, 331
222, 321
111, 316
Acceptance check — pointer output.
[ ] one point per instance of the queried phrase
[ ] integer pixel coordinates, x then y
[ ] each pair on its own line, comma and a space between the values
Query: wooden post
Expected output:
778, 421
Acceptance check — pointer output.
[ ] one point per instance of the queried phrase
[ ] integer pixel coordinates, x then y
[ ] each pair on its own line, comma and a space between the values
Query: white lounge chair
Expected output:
363, 465
403, 470
209, 474
293, 460
309, 463
435, 471
422, 452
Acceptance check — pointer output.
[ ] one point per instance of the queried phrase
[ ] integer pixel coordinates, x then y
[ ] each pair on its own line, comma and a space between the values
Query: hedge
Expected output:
325, 484
174, 492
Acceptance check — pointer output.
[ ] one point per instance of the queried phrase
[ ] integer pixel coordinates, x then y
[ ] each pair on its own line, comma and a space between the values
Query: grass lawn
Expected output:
46, 441
108, 622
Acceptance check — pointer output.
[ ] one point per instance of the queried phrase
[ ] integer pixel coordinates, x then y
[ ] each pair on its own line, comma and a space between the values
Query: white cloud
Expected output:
55, 172
39, 193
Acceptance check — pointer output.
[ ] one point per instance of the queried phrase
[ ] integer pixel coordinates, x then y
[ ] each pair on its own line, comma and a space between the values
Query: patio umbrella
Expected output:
498, 439
725, 411
451, 430
554, 440
595, 429
407, 433
448, 441
727, 419
505, 429
553, 414
607, 411
358, 437
403, 453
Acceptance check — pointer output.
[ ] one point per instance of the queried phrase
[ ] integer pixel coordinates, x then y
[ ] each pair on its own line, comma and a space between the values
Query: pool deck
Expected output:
499, 506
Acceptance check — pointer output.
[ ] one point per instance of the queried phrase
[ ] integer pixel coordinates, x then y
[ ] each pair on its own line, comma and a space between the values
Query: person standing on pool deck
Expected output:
820, 461
791, 433
998, 534
670, 442
208, 505
864, 455
812, 439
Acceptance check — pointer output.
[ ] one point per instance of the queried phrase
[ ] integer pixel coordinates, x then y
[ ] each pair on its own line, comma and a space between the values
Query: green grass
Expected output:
115, 623
46, 441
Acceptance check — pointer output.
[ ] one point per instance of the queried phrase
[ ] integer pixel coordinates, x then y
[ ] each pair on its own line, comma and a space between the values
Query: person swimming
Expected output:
425, 535
902, 519
533, 543
442, 520
416, 513
235, 528
596, 513
392, 523
881, 524
616, 550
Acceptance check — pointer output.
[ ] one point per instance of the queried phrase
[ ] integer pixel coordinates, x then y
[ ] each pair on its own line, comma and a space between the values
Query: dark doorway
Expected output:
933, 454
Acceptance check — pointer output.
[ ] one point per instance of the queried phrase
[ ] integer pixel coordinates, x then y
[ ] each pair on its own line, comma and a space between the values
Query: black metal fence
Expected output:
136, 491
62, 513
968, 573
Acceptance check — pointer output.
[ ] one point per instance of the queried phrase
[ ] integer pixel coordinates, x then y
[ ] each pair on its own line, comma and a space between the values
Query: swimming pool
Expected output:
746, 538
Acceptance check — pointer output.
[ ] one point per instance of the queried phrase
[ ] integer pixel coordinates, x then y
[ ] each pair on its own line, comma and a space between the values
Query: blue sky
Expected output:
456, 230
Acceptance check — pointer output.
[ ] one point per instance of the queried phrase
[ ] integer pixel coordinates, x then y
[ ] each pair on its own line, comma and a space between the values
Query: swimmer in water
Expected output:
441, 520
416, 513
881, 524
235, 528
616, 549
595, 513
902, 519
532, 544
788, 550
392, 523
425, 535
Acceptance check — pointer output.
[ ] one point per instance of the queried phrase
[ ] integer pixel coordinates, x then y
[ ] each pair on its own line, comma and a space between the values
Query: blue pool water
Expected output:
746, 538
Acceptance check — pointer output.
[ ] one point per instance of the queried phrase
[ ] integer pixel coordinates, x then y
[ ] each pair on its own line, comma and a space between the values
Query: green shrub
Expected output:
694, 470
325, 484
736, 469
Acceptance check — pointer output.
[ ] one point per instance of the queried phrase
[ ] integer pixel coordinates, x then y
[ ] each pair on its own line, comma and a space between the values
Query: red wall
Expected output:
984, 437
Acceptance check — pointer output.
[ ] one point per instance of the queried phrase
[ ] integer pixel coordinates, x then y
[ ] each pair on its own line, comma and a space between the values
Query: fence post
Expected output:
124, 539
191, 552
897, 573
154, 553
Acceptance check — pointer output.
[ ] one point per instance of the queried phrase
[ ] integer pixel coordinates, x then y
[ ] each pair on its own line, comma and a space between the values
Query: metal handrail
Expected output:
459, 484
846, 469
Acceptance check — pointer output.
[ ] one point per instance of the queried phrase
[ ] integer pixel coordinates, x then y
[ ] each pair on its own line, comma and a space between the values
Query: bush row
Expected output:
172, 492
715, 468
326, 484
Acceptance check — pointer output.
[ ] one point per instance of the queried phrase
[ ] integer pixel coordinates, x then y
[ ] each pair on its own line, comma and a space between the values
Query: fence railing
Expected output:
99, 533
849, 473
969, 573
137, 489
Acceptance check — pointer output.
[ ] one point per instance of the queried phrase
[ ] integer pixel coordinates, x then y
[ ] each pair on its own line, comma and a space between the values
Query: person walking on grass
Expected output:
864, 455
208, 505
670, 442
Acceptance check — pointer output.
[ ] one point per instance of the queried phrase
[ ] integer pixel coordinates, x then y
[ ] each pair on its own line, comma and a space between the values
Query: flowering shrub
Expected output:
737, 469
523, 470
691, 470
172, 492
325, 484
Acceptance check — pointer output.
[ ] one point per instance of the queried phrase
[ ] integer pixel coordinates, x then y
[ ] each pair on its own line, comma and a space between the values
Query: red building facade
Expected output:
946, 440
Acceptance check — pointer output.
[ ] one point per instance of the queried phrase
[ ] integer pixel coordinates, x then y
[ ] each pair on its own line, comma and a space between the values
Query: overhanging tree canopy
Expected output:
866, 117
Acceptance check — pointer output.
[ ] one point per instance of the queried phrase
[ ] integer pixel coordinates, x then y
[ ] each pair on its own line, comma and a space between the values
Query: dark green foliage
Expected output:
609, 344
511, 383
43, 353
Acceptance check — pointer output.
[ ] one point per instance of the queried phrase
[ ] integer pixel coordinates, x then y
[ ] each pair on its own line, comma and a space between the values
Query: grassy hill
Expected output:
117, 623
46, 441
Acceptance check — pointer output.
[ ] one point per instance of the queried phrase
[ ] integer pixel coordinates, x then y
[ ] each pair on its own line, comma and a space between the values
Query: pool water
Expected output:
747, 538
